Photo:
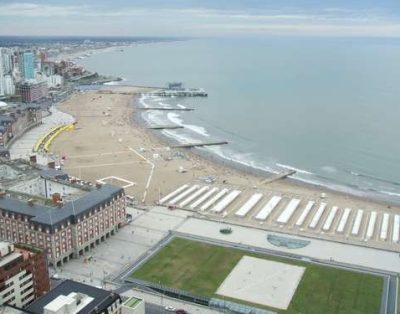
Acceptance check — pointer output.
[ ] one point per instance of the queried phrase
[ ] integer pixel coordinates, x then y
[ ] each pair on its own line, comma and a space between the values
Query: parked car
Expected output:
181, 311
169, 308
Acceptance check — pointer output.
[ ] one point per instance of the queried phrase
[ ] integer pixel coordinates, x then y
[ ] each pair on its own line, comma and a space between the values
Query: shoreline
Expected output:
260, 173
65, 56
344, 182
110, 144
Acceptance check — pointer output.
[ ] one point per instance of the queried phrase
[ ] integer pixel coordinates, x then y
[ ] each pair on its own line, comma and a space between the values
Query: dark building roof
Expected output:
102, 298
4, 152
53, 174
30, 83
30, 106
53, 216
10, 309
4, 118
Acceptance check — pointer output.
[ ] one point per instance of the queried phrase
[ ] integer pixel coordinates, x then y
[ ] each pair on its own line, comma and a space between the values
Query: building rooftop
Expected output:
9, 258
81, 199
6, 119
29, 83
73, 303
10, 252
53, 174
9, 309
132, 302
52, 216
102, 299
13, 171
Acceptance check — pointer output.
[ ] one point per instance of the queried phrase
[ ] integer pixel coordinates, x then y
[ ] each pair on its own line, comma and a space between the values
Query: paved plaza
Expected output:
344, 220
317, 249
263, 282
122, 249
23, 147
150, 227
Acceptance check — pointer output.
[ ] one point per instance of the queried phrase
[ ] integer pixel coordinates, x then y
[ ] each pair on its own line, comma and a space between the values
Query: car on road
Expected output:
181, 311
169, 308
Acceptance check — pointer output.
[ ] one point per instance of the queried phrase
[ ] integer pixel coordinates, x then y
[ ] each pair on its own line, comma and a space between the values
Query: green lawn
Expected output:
200, 268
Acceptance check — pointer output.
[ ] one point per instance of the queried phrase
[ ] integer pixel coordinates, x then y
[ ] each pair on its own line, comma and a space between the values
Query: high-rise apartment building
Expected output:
9, 85
32, 91
23, 274
27, 65
6, 60
2, 82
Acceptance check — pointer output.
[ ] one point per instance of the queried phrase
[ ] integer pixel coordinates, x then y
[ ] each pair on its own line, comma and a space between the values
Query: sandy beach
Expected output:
108, 142
109, 145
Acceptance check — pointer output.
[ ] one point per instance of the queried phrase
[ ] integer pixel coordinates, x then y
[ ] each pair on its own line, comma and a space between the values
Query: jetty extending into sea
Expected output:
166, 108
179, 93
191, 145
164, 127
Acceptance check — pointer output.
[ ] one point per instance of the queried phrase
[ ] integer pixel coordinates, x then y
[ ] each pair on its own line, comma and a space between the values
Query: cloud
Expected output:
42, 10
37, 10
197, 20
382, 30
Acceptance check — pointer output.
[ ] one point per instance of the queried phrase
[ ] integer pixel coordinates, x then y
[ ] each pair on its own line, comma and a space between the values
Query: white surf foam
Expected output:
246, 159
155, 117
242, 159
390, 193
142, 100
293, 168
175, 118
180, 137
164, 105
113, 83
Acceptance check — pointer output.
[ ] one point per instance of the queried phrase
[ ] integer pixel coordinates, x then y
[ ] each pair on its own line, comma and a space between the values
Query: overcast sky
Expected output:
375, 18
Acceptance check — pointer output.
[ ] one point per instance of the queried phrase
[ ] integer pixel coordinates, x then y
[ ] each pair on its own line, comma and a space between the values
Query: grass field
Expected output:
200, 268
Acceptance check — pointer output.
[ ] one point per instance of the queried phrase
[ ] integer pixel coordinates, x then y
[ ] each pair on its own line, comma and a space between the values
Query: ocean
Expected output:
327, 108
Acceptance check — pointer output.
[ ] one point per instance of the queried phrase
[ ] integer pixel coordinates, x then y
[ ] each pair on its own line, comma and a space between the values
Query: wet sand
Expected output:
108, 141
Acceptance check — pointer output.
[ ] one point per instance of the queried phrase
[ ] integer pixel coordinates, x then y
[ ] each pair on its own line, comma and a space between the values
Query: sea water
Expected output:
327, 108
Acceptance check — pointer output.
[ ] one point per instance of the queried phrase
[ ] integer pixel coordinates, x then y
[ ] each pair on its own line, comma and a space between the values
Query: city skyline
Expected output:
201, 18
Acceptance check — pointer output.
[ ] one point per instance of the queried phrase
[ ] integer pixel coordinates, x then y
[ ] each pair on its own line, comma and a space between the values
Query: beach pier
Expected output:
164, 127
115, 92
191, 145
166, 109
279, 176
179, 93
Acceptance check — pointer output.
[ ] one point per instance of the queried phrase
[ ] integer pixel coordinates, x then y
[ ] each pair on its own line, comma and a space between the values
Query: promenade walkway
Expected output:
164, 301
22, 148
318, 249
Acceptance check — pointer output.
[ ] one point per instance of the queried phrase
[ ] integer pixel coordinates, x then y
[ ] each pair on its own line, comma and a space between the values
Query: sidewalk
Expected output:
167, 301
22, 148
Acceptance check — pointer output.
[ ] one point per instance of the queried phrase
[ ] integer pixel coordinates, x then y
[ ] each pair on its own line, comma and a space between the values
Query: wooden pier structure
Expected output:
162, 127
191, 145
114, 92
279, 176
166, 109
179, 93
